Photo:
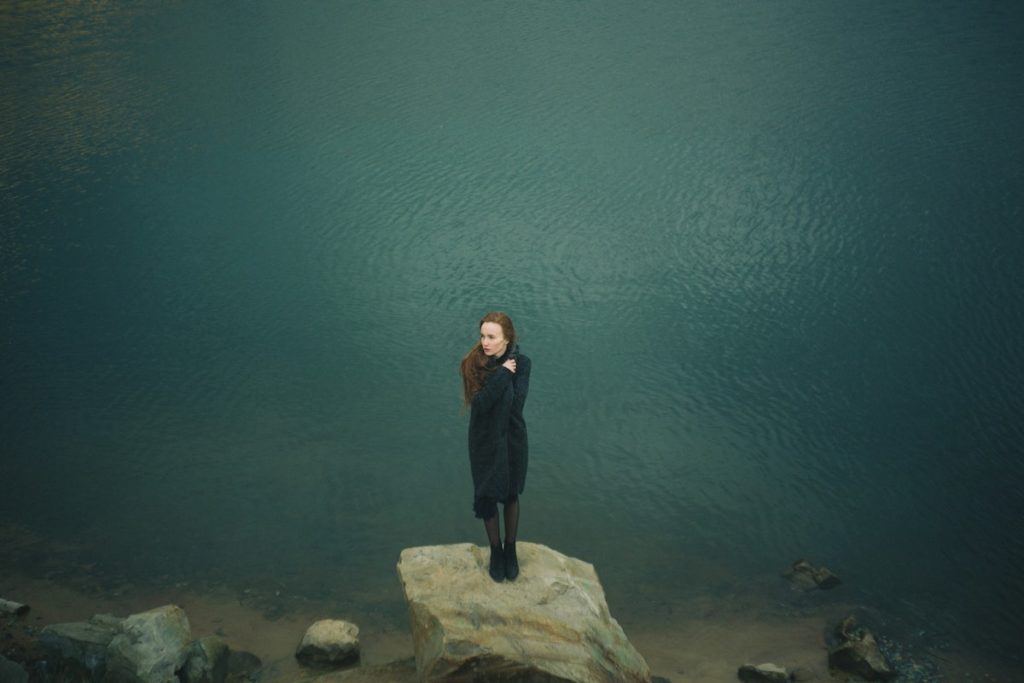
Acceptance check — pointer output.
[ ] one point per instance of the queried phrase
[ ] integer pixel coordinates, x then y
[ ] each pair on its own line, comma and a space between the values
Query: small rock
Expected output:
9, 607
763, 673
800, 675
329, 642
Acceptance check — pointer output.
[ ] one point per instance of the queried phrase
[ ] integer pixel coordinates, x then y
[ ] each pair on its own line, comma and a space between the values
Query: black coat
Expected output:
498, 450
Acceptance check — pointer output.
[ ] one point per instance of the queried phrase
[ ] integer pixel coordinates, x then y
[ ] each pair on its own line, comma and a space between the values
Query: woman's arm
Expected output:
493, 389
521, 382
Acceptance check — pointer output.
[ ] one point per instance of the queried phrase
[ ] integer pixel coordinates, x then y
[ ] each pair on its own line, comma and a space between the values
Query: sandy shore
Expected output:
701, 639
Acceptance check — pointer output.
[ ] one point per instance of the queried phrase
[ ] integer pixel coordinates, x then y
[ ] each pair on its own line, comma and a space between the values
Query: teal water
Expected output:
765, 258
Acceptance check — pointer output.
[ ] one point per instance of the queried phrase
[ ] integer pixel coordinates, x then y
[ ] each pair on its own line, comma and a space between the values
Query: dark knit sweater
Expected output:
498, 451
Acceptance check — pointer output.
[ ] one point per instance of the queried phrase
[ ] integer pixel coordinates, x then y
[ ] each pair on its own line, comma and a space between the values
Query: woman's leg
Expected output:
493, 534
511, 529
491, 525
511, 518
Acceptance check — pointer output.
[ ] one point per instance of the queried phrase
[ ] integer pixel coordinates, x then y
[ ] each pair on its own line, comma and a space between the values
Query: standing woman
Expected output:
495, 380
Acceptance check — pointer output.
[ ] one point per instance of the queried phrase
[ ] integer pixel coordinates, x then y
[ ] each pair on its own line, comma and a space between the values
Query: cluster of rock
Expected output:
149, 647
852, 649
157, 647
552, 625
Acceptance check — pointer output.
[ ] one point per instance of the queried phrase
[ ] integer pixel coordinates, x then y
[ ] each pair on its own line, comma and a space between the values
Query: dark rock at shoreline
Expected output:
857, 652
12, 672
805, 576
242, 666
206, 661
82, 644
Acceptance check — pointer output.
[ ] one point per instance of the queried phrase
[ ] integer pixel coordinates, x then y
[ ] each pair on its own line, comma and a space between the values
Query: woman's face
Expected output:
492, 339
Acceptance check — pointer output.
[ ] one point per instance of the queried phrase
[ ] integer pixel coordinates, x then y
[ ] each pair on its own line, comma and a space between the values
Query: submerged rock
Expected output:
329, 642
763, 673
550, 625
805, 576
857, 652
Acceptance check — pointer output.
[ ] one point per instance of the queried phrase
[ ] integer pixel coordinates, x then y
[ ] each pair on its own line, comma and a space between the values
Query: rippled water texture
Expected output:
765, 257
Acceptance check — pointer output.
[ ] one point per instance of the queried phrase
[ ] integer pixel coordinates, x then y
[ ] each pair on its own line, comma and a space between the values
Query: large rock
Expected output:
150, 648
551, 625
329, 642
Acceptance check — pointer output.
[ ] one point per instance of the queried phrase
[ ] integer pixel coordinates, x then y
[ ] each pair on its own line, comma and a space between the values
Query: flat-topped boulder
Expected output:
551, 625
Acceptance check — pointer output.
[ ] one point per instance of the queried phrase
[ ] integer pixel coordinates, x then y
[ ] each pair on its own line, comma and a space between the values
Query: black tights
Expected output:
511, 523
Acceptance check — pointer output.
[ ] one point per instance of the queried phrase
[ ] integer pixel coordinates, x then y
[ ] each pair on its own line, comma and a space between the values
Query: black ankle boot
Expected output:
497, 570
511, 562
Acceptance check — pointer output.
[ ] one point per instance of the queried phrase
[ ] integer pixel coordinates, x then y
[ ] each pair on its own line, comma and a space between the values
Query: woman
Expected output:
495, 381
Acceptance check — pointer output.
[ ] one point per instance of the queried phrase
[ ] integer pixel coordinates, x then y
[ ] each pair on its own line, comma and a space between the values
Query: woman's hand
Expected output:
510, 365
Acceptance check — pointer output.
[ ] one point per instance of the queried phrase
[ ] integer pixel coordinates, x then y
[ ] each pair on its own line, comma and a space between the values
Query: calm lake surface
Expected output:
766, 258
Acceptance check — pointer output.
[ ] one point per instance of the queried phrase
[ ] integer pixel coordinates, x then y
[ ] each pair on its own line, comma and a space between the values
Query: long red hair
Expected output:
474, 367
